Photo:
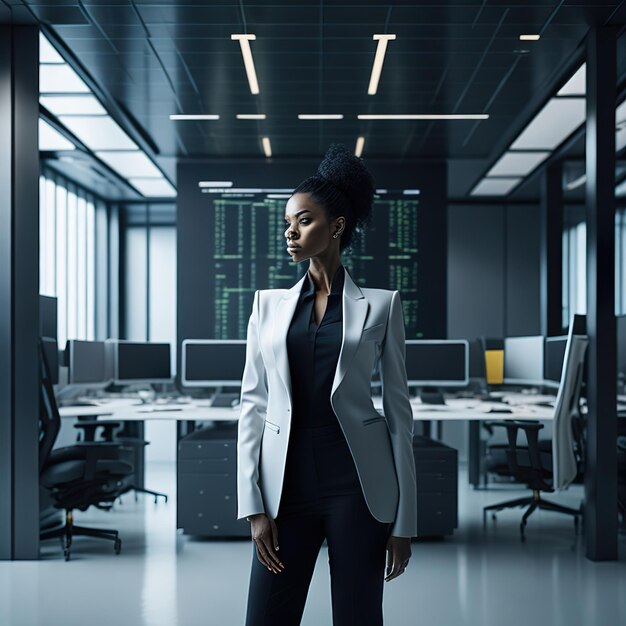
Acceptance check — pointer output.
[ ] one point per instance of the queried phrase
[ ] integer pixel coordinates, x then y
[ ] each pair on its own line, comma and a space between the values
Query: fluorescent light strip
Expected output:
251, 116
267, 146
320, 116
411, 192
238, 190
358, 150
278, 196
194, 117
214, 183
529, 37
381, 191
425, 116
248, 61
377, 68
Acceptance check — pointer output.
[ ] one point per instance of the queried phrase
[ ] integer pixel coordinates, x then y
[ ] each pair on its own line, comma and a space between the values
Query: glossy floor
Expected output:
162, 578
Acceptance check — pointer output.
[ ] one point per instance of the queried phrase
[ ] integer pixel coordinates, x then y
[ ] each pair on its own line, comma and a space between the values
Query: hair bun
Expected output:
348, 172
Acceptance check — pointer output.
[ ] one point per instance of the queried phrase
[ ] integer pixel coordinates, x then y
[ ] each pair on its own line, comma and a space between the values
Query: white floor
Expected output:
162, 578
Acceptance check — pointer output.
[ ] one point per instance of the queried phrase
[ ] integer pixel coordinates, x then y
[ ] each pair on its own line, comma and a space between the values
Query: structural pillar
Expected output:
19, 292
601, 464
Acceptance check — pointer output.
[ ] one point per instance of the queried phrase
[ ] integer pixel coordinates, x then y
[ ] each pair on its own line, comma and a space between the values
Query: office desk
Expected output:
471, 410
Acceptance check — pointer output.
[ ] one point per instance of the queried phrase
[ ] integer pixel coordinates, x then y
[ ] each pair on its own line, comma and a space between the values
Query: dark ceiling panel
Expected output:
157, 57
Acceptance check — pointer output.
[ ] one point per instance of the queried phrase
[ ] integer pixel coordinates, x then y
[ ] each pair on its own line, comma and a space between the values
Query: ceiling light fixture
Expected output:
194, 117
320, 116
377, 67
426, 116
248, 61
529, 37
215, 183
267, 147
358, 150
251, 116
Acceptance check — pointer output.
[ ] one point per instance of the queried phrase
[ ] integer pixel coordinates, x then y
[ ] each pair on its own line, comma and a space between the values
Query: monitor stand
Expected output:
431, 395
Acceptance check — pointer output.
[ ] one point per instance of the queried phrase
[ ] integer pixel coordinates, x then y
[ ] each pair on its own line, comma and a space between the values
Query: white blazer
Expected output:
381, 445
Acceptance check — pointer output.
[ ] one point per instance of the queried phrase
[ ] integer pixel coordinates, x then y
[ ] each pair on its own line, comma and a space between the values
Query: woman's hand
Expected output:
265, 537
398, 555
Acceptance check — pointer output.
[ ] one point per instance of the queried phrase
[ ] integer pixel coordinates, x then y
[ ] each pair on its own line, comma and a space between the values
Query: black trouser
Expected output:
322, 498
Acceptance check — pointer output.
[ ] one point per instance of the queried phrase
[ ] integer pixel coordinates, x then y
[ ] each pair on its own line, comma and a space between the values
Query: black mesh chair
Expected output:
74, 477
555, 469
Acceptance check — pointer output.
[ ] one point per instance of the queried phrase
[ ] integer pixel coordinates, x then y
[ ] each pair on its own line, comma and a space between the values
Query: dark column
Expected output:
601, 470
551, 251
19, 289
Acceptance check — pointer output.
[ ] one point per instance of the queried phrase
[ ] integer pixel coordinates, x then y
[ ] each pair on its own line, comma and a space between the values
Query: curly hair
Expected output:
343, 186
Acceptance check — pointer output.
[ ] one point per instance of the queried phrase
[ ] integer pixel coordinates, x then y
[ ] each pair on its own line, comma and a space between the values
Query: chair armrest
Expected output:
89, 428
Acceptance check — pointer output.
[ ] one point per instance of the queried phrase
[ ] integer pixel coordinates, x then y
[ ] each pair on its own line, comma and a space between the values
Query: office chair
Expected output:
128, 446
74, 477
554, 470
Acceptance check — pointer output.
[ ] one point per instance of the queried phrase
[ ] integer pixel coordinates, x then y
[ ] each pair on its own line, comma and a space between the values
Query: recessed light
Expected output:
60, 78
517, 163
495, 186
575, 86
98, 132
51, 139
358, 150
426, 116
377, 67
215, 183
248, 61
194, 117
153, 187
267, 146
529, 37
251, 116
73, 105
556, 121
320, 116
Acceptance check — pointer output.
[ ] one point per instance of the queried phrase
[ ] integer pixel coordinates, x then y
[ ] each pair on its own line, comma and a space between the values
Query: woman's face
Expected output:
307, 228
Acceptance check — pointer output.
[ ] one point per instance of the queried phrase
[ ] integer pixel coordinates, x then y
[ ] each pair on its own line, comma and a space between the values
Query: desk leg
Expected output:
474, 453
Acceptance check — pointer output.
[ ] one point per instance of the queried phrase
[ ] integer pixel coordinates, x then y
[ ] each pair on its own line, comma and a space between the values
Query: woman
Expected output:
315, 460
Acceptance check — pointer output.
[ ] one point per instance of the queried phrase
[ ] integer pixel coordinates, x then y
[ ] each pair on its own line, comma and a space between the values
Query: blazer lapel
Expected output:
355, 307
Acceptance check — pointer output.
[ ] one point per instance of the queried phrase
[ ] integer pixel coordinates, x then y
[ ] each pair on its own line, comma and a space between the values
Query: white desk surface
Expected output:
127, 409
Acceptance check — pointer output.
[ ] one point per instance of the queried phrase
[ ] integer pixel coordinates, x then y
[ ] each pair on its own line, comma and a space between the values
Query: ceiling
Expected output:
156, 58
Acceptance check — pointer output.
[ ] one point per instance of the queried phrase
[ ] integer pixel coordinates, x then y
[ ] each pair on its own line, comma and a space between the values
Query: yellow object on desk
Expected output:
494, 367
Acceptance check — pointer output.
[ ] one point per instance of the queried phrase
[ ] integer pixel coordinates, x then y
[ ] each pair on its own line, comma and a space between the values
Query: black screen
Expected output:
51, 350
143, 361
214, 361
554, 355
86, 362
48, 317
438, 361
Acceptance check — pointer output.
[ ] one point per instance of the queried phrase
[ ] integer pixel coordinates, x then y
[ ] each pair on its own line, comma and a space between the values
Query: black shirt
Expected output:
313, 353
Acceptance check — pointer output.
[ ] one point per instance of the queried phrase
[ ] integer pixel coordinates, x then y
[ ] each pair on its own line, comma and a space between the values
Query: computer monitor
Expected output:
523, 360
48, 317
437, 362
139, 361
86, 364
213, 362
51, 350
554, 354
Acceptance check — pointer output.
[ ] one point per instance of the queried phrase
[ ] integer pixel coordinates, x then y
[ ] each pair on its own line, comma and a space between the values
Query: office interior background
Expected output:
148, 151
